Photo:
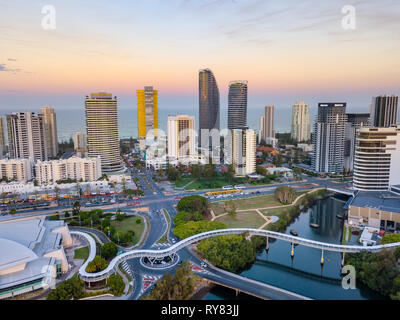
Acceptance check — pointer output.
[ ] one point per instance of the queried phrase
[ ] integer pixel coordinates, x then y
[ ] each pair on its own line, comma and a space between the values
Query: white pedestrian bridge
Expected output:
137, 253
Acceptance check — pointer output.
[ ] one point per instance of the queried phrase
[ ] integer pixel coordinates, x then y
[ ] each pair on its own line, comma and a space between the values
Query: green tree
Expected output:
285, 194
261, 170
183, 217
390, 238
191, 228
230, 207
178, 287
76, 208
195, 171
109, 250
67, 290
13, 211
96, 265
230, 252
194, 203
116, 284
229, 174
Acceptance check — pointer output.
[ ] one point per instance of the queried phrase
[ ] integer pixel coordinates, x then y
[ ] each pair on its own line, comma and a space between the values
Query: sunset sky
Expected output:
287, 50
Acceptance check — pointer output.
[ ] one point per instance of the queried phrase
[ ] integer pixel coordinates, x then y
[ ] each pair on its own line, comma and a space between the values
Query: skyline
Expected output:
259, 42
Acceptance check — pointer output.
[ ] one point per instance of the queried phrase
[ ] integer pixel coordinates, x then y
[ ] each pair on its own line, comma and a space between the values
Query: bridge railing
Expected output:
90, 277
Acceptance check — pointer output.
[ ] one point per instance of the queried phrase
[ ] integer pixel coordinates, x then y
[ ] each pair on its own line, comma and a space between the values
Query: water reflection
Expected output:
304, 273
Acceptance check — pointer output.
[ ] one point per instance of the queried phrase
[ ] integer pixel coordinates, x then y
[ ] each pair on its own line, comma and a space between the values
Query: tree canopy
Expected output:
285, 194
390, 238
194, 203
230, 252
109, 250
178, 287
190, 228
96, 265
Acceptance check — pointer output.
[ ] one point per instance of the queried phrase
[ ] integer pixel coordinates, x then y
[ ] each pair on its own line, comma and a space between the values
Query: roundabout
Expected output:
160, 263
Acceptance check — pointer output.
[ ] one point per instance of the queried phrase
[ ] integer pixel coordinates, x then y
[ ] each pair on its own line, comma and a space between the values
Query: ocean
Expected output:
71, 121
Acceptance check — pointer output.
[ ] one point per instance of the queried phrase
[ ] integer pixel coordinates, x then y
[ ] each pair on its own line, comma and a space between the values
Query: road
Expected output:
155, 199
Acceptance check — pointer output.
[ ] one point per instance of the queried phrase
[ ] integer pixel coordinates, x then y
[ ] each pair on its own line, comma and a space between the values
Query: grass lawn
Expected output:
256, 202
202, 183
246, 219
130, 224
273, 212
81, 253
164, 238
183, 181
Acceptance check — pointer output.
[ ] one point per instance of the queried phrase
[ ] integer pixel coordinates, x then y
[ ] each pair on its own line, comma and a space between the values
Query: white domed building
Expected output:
31, 254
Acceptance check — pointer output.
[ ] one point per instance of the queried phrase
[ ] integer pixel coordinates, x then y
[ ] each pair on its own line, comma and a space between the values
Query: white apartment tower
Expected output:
102, 130
75, 168
300, 122
182, 138
27, 136
16, 169
80, 144
244, 151
377, 158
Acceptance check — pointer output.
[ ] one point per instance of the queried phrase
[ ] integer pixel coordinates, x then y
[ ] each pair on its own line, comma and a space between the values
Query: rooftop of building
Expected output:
379, 200
27, 242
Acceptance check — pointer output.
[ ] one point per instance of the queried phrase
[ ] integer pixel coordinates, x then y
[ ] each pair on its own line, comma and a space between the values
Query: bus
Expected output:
222, 192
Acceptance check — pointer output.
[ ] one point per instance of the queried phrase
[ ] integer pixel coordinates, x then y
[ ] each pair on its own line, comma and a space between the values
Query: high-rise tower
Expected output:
329, 138
269, 131
209, 114
50, 124
300, 122
102, 130
147, 106
384, 111
26, 136
237, 105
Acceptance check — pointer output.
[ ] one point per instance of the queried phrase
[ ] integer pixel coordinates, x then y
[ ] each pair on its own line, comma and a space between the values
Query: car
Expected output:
239, 186
227, 187
203, 265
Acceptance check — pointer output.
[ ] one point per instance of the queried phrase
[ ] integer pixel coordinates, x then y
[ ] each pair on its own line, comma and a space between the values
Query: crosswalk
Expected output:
161, 245
126, 268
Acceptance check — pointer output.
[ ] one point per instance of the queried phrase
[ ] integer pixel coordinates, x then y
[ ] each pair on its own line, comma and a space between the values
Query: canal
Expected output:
303, 274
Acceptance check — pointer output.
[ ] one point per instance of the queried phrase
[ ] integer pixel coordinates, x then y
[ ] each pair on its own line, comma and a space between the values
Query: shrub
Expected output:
390, 238
116, 284
96, 265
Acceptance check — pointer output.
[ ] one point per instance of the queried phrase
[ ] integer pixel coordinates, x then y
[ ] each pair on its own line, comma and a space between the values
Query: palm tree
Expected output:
57, 191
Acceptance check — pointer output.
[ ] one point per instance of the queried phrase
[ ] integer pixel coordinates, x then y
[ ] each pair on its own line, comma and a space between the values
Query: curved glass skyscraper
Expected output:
237, 105
208, 101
